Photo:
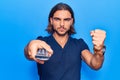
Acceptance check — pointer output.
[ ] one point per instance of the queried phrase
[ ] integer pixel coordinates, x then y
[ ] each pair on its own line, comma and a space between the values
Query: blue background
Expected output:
24, 20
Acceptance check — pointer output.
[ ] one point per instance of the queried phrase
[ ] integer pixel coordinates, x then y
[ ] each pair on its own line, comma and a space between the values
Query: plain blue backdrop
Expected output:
24, 20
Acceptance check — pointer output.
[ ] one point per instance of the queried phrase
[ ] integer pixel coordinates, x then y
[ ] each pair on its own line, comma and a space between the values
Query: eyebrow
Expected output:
60, 19
56, 18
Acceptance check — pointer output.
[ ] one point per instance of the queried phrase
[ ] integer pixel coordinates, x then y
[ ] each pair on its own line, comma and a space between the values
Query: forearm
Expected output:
97, 58
96, 61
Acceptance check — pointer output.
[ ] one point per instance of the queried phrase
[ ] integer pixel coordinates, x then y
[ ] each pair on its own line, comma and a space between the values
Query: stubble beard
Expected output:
61, 34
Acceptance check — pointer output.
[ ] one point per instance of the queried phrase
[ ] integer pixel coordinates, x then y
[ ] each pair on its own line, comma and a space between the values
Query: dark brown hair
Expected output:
61, 6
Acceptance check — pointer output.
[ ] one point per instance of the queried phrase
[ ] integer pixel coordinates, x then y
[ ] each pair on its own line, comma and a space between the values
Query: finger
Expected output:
97, 43
95, 38
39, 61
31, 52
99, 36
97, 30
100, 31
47, 47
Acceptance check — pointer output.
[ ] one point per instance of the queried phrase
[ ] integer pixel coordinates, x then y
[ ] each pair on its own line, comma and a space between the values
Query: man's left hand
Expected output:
98, 37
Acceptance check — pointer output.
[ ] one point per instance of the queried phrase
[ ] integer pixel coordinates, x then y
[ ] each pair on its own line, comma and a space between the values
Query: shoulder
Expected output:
80, 40
43, 38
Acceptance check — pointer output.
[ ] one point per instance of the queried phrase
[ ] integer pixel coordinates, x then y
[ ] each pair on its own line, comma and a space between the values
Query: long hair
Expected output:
60, 6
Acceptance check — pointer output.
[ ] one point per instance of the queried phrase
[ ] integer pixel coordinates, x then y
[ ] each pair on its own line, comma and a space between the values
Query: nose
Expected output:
62, 22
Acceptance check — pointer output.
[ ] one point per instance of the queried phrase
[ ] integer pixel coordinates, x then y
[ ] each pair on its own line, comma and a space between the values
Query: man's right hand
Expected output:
32, 48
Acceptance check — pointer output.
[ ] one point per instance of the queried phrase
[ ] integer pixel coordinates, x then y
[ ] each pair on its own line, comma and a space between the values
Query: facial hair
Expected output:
66, 32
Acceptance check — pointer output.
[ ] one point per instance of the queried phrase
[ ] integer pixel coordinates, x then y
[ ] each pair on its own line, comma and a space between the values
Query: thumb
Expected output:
92, 33
46, 47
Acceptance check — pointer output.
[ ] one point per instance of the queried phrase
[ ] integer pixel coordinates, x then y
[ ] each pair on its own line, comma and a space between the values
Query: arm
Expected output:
95, 60
31, 49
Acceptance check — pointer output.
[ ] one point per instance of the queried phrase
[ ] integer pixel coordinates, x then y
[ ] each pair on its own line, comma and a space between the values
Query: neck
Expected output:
55, 35
61, 40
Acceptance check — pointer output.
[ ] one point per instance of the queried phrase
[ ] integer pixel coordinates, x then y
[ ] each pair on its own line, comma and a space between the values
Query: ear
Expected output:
51, 20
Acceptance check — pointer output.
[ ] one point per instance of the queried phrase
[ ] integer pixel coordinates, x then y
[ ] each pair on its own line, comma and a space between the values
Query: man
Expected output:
66, 52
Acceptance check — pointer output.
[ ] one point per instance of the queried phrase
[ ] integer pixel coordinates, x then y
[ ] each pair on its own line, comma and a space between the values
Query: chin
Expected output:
62, 33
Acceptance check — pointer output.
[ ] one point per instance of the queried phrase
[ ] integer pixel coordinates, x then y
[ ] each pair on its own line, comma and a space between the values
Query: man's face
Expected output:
61, 22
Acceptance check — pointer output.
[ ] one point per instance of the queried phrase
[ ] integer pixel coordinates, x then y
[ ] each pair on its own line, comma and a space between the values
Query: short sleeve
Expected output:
46, 39
39, 38
83, 45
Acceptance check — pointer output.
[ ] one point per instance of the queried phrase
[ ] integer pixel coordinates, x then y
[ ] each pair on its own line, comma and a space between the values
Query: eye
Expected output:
56, 19
67, 19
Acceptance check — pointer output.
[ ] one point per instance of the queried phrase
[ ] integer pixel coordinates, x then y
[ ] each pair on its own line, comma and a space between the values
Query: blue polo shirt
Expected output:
65, 63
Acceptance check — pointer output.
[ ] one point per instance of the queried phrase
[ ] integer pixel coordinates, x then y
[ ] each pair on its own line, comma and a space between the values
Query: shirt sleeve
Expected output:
39, 38
83, 45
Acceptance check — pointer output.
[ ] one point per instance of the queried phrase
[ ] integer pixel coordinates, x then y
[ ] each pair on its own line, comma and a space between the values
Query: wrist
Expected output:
100, 50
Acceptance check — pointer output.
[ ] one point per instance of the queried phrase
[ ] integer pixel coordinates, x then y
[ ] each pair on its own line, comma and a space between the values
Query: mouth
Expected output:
62, 29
